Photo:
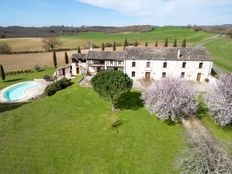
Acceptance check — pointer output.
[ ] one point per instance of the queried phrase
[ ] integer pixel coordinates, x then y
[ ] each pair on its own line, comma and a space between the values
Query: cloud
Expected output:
169, 10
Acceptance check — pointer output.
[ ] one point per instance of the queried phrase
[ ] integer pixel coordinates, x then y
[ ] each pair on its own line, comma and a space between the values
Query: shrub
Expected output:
207, 80
114, 121
63, 83
53, 88
5, 48
47, 77
50, 90
38, 68
95, 46
108, 44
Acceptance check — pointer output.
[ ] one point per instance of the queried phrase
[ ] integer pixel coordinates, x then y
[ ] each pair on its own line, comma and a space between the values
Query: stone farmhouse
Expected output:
147, 63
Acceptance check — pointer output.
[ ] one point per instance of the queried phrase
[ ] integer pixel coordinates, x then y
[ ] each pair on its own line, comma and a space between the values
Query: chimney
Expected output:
178, 54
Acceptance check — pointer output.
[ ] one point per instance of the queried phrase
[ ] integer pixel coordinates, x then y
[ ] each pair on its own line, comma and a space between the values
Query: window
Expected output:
148, 64
133, 74
182, 74
133, 64
111, 62
163, 74
165, 65
184, 65
200, 65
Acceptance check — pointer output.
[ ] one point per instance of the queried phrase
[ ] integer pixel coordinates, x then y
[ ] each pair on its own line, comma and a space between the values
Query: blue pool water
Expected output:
18, 91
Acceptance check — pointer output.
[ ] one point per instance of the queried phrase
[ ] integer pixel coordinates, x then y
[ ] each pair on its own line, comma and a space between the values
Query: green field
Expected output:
82, 39
158, 34
70, 133
221, 50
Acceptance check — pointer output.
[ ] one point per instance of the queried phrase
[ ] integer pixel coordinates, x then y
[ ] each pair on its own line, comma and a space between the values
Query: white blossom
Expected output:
170, 98
219, 100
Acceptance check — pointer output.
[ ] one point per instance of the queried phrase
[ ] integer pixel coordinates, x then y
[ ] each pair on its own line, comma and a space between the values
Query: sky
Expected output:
114, 12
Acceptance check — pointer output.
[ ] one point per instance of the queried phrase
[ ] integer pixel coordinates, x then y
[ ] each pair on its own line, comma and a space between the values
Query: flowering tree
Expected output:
170, 98
219, 100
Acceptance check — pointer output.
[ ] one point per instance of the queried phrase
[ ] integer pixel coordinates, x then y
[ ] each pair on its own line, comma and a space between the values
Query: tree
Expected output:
166, 42
114, 46
170, 99
136, 43
103, 47
2, 73
219, 100
184, 43
146, 44
175, 43
66, 58
205, 155
110, 84
5, 48
78, 50
125, 44
50, 43
54, 59
156, 43
229, 34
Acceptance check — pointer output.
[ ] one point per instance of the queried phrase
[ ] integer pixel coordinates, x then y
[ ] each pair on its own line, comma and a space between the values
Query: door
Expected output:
78, 71
198, 77
147, 76
63, 71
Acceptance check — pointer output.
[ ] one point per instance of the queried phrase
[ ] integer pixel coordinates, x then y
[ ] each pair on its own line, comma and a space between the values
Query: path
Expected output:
203, 43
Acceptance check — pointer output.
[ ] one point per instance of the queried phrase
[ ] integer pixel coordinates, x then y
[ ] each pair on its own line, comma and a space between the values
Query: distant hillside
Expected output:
220, 29
18, 31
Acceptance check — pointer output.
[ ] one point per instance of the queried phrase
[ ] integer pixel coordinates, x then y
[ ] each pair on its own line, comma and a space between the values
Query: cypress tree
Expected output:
125, 44
54, 59
103, 47
114, 46
2, 73
156, 43
78, 50
166, 42
66, 58
184, 43
175, 43
146, 44
136, 43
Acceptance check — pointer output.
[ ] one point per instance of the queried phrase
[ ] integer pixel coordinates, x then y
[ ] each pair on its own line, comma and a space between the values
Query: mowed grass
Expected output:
224, 135
221, 50
82, 39
12, 79
70, 133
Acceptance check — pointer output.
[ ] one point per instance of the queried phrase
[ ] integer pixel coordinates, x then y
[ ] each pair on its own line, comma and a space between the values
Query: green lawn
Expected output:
221, 50
11, 79
222, 134
158, 34
70, 133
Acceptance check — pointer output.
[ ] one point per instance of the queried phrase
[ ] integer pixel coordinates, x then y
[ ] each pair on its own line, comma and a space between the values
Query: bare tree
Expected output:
5, 48
219, 100
50, 43
170, 98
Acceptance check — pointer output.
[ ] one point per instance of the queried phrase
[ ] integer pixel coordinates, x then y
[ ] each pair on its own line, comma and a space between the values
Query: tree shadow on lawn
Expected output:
129, 100
14, 80
8, 107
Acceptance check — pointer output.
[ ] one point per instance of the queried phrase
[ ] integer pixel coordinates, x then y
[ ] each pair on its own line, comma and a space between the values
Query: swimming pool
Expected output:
17, 91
